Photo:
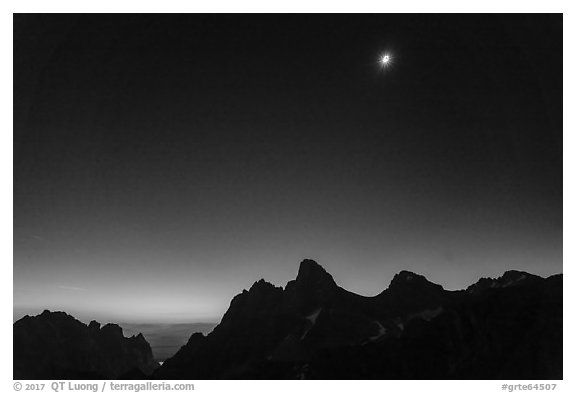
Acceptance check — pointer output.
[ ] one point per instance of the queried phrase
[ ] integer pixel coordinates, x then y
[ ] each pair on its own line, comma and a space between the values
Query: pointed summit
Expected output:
313, 286
409, 292
94, 325
310, 272
245, 308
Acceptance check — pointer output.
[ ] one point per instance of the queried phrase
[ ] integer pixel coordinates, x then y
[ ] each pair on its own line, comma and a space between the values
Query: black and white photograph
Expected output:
288, 196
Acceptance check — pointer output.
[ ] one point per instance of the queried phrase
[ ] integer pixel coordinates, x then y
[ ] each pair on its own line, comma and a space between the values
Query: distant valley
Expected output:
166, 338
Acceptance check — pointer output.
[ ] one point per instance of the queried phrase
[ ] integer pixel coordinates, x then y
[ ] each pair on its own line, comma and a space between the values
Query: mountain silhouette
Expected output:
504, 328
55, 345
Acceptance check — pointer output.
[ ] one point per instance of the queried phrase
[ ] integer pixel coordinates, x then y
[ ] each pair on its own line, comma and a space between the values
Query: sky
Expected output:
163, 163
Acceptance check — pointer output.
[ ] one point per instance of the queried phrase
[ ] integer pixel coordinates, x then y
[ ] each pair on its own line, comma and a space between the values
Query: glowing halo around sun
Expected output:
385, 60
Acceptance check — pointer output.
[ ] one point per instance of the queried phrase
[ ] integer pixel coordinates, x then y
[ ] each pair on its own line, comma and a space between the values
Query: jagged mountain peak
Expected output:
311, 272
94, 325
314, 329
312, 287
54, 315
406, 279
509, 278
55, 344
258, 300
262, 285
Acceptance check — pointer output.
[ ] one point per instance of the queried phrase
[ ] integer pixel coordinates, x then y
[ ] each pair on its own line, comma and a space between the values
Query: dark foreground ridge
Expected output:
55, 345
504, 328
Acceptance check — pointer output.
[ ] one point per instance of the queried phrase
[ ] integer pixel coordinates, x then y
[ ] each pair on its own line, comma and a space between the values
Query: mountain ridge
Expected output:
314, 329
509, 327
54, 345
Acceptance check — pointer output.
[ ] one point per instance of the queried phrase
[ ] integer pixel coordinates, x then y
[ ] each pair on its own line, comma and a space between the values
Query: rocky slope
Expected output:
505, 328
54, 345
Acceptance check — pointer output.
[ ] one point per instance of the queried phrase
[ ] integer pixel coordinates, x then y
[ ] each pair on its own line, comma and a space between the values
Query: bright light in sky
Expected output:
385, 60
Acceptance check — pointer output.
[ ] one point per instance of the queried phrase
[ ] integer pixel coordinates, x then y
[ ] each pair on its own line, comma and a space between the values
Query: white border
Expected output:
307, 6
244, 6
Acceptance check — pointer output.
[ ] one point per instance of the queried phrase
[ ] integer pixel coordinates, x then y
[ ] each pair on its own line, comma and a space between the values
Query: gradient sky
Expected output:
164, 163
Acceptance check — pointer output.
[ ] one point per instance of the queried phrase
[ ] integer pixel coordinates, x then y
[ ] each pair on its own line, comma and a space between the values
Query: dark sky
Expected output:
164, 163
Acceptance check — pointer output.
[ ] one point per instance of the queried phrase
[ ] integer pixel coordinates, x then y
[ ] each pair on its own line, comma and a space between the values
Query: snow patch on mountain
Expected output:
312, 319
381, 332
